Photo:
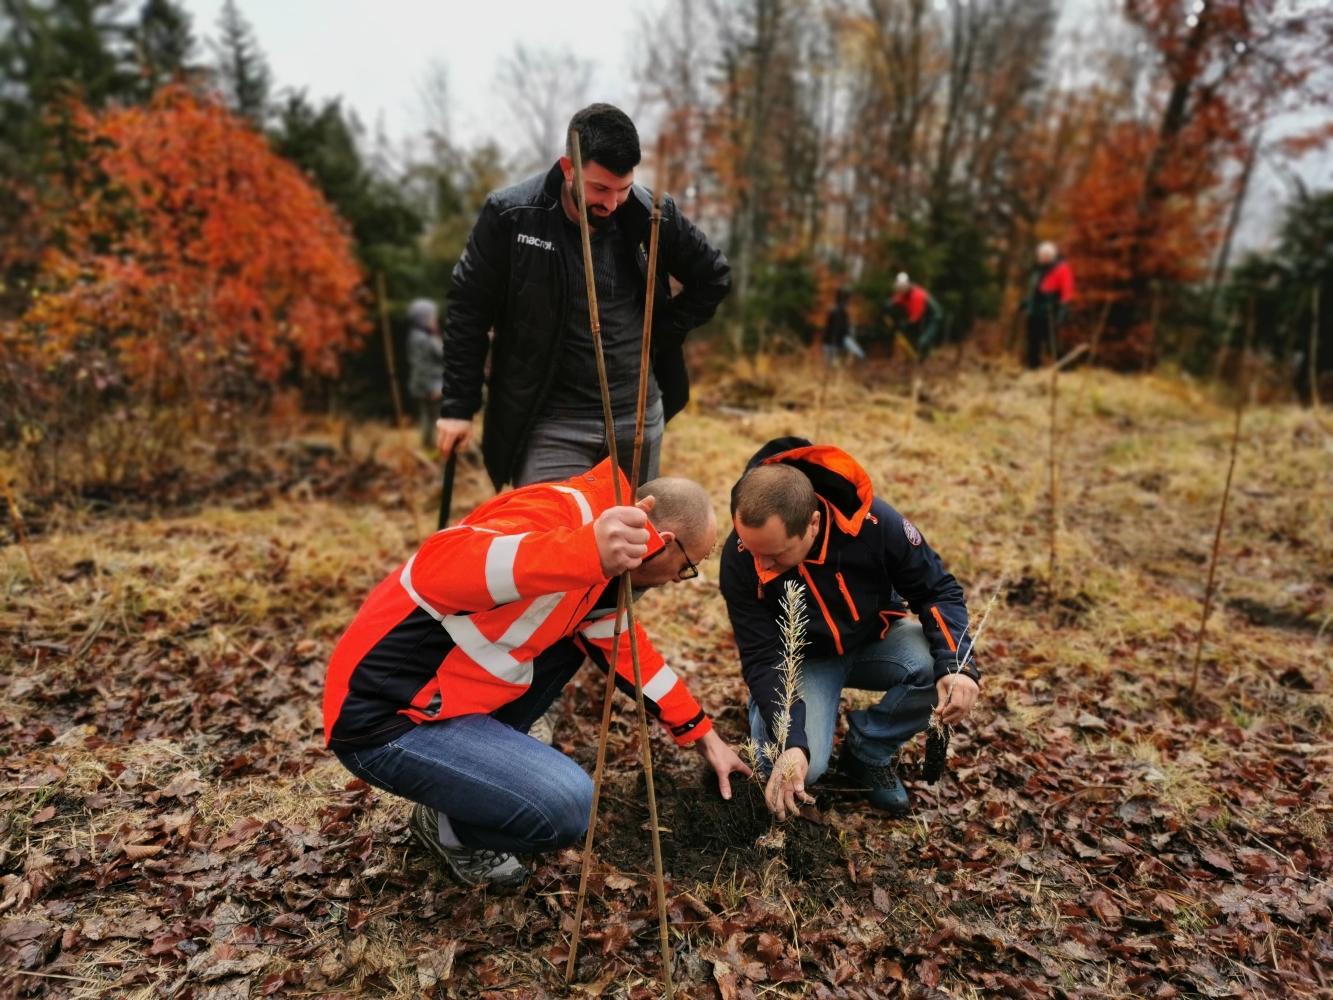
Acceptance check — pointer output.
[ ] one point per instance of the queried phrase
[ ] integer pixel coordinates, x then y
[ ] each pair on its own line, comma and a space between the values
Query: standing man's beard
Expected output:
595, 221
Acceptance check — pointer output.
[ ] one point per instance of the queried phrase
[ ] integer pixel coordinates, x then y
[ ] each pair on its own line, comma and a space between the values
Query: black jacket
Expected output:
866, 555
514, 276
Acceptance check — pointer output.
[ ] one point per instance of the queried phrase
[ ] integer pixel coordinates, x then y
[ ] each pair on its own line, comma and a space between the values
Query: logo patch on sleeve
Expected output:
909, 529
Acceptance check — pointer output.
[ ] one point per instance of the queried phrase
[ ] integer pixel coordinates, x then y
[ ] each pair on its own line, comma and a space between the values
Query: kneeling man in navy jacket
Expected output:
808, 513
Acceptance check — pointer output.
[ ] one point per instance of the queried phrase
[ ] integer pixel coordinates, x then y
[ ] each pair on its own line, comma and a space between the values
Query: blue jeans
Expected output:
900, 665
501, 789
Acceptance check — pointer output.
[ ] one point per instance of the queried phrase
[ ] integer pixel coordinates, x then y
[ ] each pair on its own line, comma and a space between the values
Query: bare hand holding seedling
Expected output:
785, 792
723, 760
622, 536
957, 694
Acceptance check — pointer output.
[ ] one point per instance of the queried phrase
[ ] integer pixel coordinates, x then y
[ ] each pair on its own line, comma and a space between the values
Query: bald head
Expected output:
683, 508
1047, 252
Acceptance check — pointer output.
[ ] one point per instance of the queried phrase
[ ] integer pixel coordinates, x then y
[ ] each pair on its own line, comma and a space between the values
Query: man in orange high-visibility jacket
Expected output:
431, 690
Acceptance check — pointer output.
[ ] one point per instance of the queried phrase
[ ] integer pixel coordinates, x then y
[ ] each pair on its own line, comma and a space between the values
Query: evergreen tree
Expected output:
242, 70
48, 49
164, 44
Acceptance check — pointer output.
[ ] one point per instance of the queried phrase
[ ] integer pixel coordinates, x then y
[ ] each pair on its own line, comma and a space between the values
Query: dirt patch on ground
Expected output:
706, 838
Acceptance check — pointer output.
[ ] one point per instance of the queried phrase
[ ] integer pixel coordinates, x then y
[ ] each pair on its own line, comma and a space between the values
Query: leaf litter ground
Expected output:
173, 827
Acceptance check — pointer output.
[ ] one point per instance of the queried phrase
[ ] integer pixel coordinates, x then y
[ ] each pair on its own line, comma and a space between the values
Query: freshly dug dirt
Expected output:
705, 837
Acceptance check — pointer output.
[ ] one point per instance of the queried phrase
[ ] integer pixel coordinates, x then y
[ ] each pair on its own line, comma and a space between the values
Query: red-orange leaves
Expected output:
179, 239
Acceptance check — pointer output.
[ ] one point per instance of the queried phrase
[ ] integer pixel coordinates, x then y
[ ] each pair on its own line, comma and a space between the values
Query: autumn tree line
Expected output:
181, 235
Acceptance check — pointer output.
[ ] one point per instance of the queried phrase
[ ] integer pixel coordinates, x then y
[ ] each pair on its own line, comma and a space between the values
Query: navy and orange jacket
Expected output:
456, 629
866, 555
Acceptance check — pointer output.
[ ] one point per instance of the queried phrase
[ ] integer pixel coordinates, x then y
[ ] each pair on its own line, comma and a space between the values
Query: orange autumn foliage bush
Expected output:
180, 237
173, 261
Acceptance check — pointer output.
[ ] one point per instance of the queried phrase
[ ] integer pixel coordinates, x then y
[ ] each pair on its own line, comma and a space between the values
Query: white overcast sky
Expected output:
376, 55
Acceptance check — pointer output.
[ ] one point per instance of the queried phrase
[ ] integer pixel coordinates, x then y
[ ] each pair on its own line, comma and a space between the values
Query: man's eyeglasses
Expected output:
689, 571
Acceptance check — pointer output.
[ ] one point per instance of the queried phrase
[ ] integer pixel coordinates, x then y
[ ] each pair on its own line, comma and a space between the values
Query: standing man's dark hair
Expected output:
522, 275
606, 136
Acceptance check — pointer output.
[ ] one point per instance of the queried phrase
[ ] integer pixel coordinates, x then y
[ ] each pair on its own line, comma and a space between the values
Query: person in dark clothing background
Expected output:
808, 513
522, 273
425, 355
838, 328
1047, 302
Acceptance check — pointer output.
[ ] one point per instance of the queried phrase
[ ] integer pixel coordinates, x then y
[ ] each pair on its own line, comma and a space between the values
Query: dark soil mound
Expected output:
705, 836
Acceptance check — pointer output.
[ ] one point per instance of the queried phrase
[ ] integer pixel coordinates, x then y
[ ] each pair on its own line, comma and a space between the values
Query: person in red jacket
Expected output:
1047, 302
916, 312
432, 689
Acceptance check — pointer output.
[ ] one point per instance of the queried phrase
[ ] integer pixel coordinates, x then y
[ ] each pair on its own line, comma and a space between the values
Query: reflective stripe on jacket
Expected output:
457, 628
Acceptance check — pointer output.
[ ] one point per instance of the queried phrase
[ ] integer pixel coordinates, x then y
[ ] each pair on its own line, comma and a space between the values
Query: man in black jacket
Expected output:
808, 513
522, 274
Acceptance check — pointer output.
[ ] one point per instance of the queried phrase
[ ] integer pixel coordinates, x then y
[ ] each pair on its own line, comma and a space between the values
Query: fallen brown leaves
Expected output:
173, 827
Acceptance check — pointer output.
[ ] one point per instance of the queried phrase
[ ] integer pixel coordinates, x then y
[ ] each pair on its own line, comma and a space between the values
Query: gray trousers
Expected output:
563, 447
427, 413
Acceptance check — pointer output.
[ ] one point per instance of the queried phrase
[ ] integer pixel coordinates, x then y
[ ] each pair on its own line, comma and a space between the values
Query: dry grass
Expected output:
1143, 458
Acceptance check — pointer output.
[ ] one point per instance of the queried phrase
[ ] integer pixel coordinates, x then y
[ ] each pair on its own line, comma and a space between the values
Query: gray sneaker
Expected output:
480, 867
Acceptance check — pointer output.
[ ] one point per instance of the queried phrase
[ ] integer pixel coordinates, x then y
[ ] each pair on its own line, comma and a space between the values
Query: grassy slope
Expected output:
1096, 837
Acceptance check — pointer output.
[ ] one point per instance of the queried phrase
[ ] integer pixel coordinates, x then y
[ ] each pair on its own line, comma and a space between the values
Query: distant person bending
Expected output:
425, 364
522, 273
1047, 302
917, 314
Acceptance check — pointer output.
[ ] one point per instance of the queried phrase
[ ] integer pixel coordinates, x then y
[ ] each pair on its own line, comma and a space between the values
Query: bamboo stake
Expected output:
624, 602
1222, 512
1314, 350
388, 347
1153, 315
624, 594
17, 517
1055, 503
1101, 326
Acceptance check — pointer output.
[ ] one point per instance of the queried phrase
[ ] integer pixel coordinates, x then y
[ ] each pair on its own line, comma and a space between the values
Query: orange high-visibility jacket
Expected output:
456, 629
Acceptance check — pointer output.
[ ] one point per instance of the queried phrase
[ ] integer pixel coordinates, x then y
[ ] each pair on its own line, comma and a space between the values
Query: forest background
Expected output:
162, 198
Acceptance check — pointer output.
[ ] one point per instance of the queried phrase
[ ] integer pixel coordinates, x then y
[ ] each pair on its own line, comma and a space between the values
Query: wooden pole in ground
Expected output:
1055, 505
388, 348
1222, 511
1153, 315
623, 604
17, 517
1314, 350
1097, 333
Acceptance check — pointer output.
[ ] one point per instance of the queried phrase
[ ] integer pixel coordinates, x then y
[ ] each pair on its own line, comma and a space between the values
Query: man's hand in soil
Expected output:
957, 693
785, 792
722, 759
452, 435
622, 536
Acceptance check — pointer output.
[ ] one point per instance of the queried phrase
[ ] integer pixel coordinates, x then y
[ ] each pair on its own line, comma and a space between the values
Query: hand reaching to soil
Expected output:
785, 792
957, 693
723, 760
